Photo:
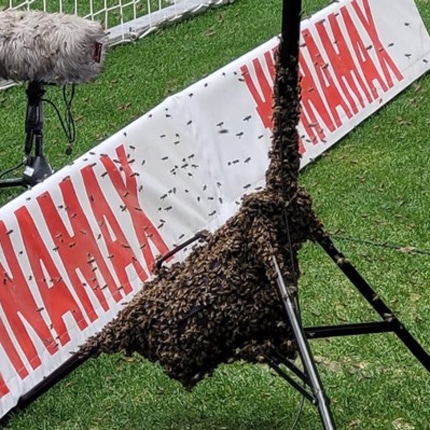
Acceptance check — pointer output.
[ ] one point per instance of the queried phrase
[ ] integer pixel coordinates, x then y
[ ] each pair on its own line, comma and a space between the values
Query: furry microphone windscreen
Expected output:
50, 47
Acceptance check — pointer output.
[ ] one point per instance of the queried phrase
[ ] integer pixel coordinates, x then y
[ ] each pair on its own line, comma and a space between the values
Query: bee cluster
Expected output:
222, 303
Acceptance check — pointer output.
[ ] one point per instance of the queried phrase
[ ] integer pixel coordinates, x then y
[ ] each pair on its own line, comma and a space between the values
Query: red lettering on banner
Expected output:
120, 253
18, 303
263, 95
312, 103
56, 296
331, 93
128, 192
312, 100
385, 61
79, 251
264, 101
367, 65
342, 63
356, 74
3, 387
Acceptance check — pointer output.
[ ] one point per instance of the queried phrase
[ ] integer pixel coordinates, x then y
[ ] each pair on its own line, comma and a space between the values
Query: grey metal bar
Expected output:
305, 353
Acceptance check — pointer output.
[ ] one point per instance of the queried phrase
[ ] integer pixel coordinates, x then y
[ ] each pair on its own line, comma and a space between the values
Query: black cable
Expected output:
69, 114
67, 123
386, 245
11, 169
299, 412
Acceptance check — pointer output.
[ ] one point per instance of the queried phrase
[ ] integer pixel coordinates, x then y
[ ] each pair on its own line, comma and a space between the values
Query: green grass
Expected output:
373, 185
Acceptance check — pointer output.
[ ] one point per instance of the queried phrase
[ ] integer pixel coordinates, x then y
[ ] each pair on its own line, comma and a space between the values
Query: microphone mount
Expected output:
43, 48
36, 166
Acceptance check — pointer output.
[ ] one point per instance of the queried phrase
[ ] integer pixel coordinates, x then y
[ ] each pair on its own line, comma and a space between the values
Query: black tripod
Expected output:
307, 381
36, 167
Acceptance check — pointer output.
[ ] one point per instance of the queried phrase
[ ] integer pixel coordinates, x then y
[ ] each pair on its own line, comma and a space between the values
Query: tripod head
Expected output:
46, 49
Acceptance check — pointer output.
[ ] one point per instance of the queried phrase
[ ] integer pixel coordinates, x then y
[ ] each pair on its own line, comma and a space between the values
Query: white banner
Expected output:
74, 248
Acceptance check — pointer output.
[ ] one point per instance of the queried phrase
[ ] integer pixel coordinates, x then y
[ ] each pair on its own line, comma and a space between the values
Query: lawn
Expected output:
371, 191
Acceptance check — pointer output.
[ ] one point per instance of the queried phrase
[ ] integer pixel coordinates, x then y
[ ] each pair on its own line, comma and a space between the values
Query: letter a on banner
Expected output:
17, 303
56, 295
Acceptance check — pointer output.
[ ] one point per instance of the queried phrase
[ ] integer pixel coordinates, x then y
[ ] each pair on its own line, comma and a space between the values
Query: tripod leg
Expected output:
373, 299
305, 353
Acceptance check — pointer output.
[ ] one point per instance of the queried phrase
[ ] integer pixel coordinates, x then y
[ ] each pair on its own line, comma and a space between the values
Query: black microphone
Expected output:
50, 47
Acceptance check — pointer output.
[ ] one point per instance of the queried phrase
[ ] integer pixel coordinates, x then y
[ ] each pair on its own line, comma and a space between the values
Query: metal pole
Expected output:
290, 40
305, 353
288, 85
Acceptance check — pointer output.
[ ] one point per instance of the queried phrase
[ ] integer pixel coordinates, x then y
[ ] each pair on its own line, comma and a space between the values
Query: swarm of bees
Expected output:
222, 303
